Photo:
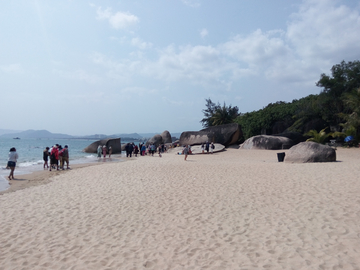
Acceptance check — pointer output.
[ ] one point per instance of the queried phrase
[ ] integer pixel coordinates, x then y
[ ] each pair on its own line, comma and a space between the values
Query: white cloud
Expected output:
323, 30
197, 64
319, 35
118, 20
204, 32
256, 49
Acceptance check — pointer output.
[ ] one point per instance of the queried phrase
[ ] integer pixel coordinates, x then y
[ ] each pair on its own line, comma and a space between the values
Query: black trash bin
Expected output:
281, 156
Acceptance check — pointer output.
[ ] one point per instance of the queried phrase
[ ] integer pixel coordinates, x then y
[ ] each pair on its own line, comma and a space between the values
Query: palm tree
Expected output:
318, 137
215, 114
224, 115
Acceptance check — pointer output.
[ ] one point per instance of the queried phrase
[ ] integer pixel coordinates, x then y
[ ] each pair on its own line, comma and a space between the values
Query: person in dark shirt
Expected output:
46, 155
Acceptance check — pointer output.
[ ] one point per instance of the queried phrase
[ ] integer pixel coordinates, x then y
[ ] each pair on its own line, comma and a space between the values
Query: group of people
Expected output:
102, 149
150, 149
207, 146
57, 155
204, 147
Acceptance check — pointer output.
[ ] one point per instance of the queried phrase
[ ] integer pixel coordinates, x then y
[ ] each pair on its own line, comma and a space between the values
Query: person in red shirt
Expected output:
54, 157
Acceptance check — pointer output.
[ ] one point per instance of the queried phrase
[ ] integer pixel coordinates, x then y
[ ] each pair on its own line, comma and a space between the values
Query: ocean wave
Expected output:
30, 163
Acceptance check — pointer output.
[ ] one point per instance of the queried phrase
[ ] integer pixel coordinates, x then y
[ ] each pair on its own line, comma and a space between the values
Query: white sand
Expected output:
238, 209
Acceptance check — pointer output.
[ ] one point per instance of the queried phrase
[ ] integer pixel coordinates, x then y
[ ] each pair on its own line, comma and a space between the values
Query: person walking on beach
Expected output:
110, 151
136, 150
60, 149
186, 152
207, 146
202, 148
159, 148
143, 150
13, 157
65, 158
129, 149
46, 155
152, 149
104, 151
54, 157
99, 151
212, 147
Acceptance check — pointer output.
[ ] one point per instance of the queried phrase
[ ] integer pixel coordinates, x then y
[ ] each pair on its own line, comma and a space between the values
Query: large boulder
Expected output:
267, 142
156, 139
114, 143
310, 152
163, 138
224, 134
193, 137
166, 136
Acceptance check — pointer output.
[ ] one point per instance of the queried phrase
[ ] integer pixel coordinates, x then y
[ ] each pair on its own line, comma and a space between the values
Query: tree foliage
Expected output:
319, 137
215, 114
336, 106
345, 78
255, 122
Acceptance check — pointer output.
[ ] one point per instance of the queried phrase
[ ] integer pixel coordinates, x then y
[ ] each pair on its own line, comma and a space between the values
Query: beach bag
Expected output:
213, 146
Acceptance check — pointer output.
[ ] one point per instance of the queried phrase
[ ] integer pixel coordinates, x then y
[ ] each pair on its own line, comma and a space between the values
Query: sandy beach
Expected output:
237, 209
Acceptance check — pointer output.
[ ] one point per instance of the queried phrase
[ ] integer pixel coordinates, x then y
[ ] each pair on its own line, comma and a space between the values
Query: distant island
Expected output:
45, 134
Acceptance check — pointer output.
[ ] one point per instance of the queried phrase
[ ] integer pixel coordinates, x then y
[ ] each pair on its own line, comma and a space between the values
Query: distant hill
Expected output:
8, 131
129, 135
37, 134
4, 133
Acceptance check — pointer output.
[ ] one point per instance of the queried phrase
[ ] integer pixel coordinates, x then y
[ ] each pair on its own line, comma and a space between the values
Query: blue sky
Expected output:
86, 67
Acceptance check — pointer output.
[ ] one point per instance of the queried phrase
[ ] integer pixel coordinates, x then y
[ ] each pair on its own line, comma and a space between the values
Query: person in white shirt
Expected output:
13, 157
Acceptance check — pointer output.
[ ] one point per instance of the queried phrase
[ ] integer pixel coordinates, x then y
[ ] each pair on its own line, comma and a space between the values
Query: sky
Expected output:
108, 67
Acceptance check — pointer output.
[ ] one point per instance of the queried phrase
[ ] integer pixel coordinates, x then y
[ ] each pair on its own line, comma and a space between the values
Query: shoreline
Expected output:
43, 176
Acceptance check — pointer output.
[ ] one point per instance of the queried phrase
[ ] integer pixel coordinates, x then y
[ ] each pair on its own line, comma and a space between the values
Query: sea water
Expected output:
30, 153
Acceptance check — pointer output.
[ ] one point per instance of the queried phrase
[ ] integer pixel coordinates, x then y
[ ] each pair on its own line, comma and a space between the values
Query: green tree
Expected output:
305, 110
351, 127
345, 77
352, 100
215, 114
253, 123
